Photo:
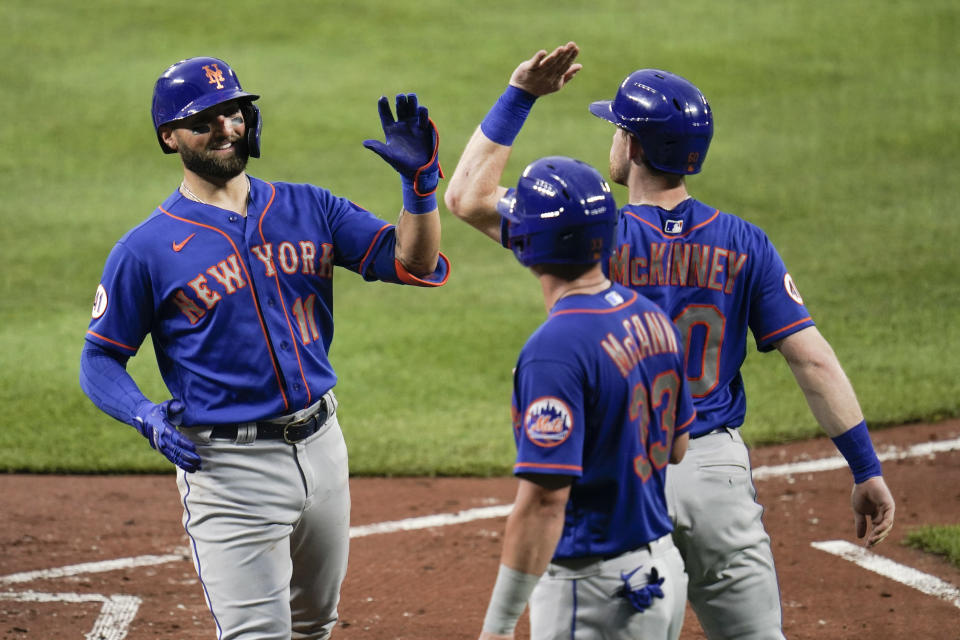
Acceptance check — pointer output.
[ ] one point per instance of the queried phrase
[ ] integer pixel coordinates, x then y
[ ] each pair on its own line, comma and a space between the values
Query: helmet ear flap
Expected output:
254, 121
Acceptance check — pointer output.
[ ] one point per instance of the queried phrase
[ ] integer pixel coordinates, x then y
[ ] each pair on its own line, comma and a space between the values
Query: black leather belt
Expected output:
289, 432
711, 432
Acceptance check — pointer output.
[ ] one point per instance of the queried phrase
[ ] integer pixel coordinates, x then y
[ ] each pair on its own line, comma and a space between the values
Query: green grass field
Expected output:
941, 540
836, 131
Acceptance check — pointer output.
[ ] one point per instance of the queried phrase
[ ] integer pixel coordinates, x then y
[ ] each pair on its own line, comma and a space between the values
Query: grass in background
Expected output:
942, 540
835, 131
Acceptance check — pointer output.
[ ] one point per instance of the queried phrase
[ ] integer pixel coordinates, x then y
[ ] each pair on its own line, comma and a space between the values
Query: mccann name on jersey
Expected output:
643, 336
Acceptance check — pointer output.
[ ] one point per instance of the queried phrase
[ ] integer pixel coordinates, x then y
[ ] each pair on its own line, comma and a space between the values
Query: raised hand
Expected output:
547, 73
411, 142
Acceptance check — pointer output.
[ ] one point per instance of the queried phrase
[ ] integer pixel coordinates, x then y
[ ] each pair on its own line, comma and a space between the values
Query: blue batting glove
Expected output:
411, 143
157, 423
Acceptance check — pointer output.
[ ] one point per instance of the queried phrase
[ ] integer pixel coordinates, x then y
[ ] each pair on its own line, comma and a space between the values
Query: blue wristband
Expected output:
505, 118
857, 449
415, 203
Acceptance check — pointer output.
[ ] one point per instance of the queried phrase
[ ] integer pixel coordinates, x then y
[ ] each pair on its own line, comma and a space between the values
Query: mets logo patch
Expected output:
548, 421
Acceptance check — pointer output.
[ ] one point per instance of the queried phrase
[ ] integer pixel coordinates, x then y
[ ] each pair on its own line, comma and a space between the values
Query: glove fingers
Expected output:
180, 450
174, 411
378, 148
188, 461
423, 119
386, 116
406, 106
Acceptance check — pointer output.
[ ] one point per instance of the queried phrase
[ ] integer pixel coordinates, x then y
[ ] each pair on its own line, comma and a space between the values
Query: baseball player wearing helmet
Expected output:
232, 276
717, 276
600, 407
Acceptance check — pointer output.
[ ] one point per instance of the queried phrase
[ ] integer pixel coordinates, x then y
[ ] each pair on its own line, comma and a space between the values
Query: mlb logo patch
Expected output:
673, 226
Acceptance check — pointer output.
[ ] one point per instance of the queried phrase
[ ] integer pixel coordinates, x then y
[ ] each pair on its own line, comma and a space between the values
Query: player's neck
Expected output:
231, 194
555, 287
660, 190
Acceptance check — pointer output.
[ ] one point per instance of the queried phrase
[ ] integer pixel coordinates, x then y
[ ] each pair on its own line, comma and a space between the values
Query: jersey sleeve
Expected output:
123, 305
549, 418
366, 245
777, 310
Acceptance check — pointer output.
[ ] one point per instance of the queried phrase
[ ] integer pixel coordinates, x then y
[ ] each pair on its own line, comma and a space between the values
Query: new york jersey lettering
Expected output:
287, 257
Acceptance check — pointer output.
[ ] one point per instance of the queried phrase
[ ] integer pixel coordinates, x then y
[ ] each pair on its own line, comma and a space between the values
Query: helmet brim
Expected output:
506, 204
207, 101
604, 109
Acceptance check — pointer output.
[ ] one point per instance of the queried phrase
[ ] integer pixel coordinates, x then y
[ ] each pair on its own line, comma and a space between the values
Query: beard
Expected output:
619, 171
213, 165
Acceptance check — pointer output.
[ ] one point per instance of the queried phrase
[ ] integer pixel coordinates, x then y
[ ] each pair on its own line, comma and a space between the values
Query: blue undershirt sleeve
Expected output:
104, 378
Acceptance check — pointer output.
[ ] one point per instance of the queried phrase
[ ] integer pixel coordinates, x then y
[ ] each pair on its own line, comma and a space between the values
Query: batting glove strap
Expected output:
503, 122
416, 202
510, 594
857, 448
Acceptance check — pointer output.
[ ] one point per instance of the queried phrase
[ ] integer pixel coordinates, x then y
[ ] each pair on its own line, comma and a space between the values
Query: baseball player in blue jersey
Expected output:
232, 276
717, 276
600, 407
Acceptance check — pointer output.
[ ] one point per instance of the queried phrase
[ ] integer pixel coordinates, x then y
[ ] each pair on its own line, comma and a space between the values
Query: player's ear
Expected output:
636, 151
166, 135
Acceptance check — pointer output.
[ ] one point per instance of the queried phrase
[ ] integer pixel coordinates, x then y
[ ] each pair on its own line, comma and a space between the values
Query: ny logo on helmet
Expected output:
214, 75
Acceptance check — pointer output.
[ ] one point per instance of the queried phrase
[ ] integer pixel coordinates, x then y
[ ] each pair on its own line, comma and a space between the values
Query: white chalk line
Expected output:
92, 567
436, 520
118, 611
923, 582
837, 462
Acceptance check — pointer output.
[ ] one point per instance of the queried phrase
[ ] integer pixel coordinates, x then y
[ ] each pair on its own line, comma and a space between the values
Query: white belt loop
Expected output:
332, 403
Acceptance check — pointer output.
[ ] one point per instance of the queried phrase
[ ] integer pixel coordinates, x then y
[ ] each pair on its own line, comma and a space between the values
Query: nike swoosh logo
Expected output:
177, 246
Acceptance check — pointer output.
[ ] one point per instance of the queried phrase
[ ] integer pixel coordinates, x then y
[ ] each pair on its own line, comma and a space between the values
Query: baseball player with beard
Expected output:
232, 276
600, 407
717, 276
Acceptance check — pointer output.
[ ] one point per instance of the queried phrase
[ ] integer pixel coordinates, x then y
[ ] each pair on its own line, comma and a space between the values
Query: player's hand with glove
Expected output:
411, 147
158, 424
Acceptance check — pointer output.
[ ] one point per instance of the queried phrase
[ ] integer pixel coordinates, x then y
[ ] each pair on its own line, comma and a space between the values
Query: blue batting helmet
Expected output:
195, 84
561, 212
667, 114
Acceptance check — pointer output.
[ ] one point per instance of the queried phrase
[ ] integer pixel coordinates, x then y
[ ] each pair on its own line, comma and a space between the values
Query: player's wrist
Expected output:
510, 595
503, 122
857, 449
413, 200
139, 418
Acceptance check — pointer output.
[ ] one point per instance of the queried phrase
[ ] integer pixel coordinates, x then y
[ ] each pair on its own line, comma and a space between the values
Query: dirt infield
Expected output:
105, 557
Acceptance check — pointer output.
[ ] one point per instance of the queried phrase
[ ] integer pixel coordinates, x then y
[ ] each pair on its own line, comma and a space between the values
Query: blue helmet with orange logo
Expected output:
195, 84
667, 114
561, 212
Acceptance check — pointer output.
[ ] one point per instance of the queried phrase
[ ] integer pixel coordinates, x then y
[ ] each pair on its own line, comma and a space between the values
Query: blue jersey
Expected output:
599, 394
240, 309
715, 275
